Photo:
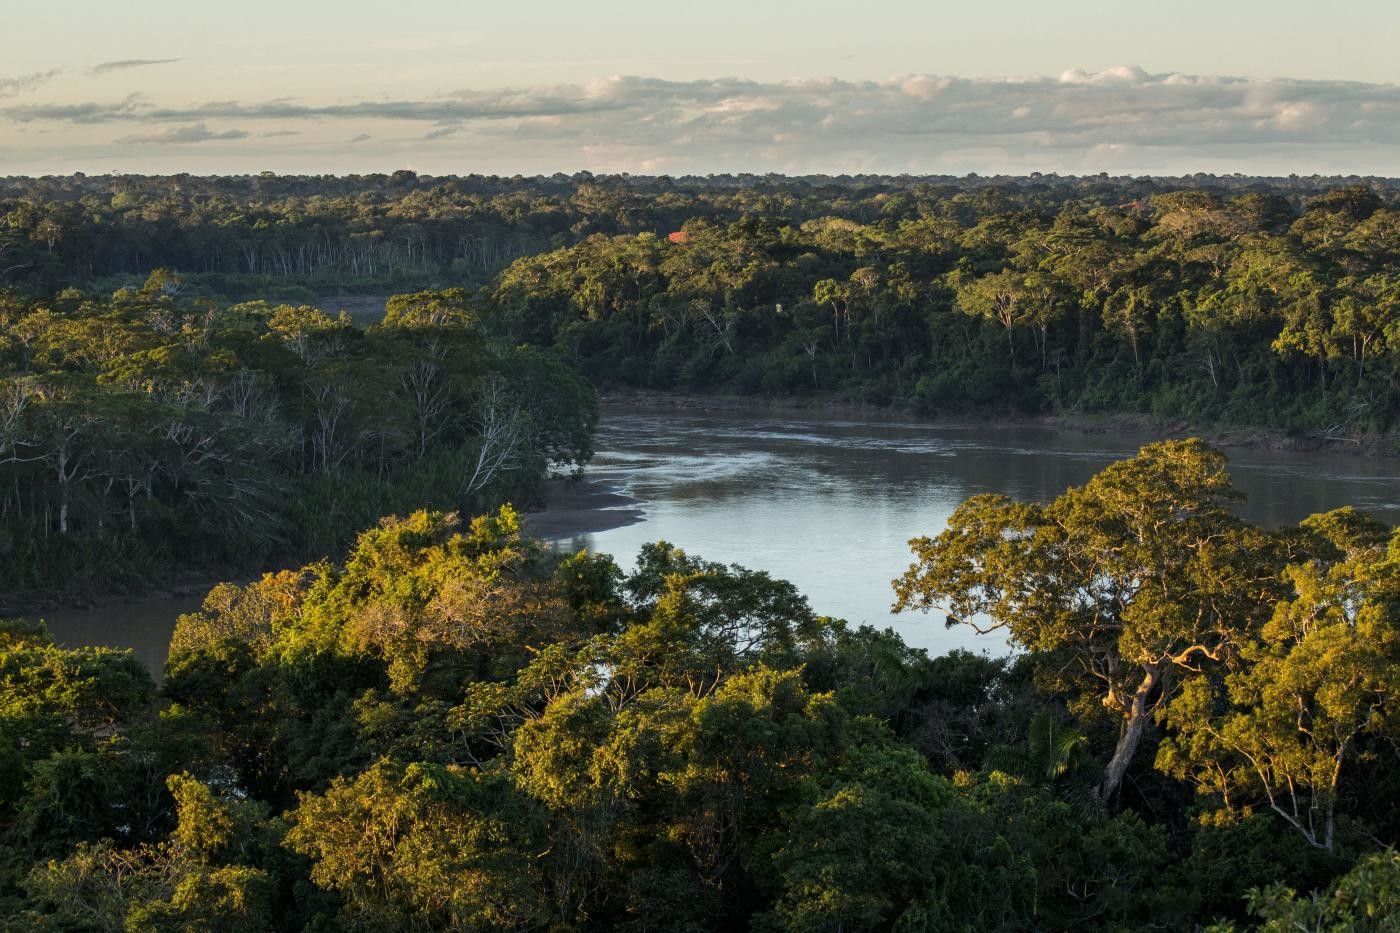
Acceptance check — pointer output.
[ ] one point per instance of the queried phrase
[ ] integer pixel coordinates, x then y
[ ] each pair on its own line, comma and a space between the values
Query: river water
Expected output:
830, 502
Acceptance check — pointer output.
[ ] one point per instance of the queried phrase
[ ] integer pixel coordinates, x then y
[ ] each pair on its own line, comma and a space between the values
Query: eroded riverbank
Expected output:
1242, 437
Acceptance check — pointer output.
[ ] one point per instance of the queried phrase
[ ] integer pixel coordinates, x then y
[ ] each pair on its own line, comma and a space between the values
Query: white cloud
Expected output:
1121, 119
1118, 76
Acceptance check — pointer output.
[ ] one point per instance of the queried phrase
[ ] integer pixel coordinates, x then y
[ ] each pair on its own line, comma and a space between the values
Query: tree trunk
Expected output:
1128, 738
63, 492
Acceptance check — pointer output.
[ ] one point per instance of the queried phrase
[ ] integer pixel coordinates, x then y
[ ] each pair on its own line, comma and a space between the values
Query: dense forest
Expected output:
1181, 304
433, 722
1247, 301
455, 728
147, 432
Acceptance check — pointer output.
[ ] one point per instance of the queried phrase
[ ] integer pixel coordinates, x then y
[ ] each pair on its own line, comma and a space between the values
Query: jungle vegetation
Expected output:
433, 722
219, 413
455, 728
149, 432
1233, 299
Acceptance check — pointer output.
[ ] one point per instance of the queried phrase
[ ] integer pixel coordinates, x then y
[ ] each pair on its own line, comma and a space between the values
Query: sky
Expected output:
666, 87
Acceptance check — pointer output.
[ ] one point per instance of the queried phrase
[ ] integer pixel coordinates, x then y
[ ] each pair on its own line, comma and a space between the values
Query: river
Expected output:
829, 502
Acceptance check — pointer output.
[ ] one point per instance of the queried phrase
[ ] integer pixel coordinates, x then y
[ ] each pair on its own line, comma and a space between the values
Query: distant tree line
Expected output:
1260, 301
1245, 308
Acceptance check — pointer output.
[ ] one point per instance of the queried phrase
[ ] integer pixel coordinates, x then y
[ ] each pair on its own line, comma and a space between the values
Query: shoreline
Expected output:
573, 507
35, 606
1237, 436
593, 503
582, 506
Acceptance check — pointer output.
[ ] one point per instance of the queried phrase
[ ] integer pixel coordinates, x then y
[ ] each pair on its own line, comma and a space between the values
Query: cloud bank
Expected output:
1119, 119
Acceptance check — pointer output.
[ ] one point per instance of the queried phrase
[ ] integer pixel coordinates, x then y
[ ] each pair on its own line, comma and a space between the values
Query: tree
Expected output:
868, 853
1002, 297
1319, 677
431, 345
308, 332
197, 879
1124, 587
1364, 900
433, 309
502, 437
1366, 316
1128, 311
405, 845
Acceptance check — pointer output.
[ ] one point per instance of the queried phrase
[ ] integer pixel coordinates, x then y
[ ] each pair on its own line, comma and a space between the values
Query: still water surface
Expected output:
830, 502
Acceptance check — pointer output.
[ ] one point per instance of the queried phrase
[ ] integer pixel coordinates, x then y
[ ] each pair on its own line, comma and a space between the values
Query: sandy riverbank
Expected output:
583, 506
1242, 437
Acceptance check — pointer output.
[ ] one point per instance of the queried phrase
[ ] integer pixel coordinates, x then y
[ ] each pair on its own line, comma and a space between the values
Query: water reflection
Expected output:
830, 502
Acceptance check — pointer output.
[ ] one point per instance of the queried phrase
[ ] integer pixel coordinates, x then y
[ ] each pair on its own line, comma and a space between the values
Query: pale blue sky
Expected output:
533, 86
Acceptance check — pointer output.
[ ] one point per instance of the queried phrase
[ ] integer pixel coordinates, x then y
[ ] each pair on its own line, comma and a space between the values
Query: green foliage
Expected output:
193, 880
1129, 585
1245, 300
1317, 680
423, 844
152, 432
1365, 899
1019, 297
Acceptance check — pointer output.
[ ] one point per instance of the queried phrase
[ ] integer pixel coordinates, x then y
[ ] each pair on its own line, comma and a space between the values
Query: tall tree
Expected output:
1313, 683
1122, 588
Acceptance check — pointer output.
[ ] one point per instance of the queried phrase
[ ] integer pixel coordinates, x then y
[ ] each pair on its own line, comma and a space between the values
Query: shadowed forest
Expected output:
1250, 301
